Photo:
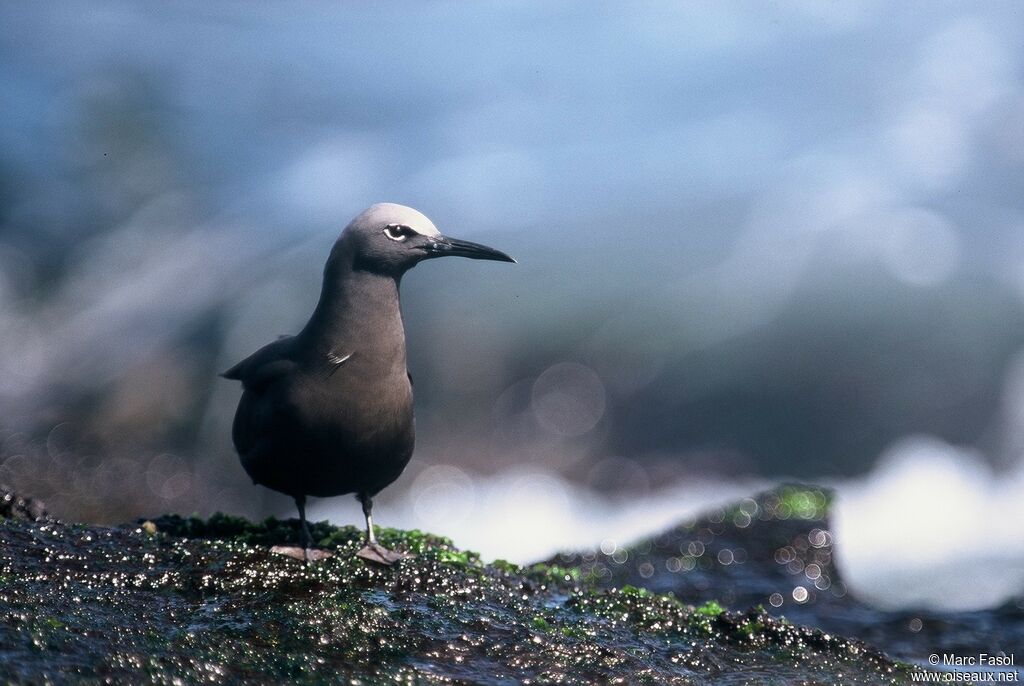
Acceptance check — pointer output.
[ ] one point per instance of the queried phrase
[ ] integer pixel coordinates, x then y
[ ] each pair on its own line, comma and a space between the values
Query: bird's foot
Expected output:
303, 554
375, 552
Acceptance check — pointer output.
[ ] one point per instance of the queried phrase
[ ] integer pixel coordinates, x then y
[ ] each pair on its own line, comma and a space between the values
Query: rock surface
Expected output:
14, 506
177, 600
777, 550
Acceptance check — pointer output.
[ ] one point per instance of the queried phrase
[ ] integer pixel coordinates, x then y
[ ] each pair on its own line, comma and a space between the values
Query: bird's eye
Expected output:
397, 232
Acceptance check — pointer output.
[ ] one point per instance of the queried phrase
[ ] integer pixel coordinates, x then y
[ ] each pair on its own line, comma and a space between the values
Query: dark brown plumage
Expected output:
329, 411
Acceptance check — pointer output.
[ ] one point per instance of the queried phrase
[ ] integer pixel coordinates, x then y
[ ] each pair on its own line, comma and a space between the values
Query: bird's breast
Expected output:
363, 404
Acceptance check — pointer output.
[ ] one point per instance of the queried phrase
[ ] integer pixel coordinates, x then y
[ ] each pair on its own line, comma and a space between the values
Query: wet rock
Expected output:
777, 550
182, 600
14, 506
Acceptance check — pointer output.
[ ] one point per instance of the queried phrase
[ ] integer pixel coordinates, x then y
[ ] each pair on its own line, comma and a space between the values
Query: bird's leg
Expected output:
373, 551
307, 554
304, 535
367, 503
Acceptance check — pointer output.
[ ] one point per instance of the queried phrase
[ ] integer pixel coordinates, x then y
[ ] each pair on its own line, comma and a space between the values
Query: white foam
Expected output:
932, 526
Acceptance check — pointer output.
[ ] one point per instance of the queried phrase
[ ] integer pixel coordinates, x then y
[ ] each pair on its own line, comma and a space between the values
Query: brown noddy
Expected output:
329, 410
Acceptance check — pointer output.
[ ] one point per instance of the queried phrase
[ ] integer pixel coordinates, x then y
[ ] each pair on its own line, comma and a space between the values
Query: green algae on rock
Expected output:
777, 550
204, 600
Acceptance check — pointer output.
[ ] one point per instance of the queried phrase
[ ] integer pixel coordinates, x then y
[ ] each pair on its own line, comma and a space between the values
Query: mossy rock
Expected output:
777, 550
184, 600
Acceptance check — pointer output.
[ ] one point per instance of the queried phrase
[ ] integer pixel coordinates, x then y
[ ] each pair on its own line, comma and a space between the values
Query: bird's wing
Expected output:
263, 366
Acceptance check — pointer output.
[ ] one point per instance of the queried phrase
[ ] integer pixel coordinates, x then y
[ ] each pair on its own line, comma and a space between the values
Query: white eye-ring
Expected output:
397, 232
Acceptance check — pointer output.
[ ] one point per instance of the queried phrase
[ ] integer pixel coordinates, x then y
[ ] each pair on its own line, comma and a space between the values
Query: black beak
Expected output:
442, 246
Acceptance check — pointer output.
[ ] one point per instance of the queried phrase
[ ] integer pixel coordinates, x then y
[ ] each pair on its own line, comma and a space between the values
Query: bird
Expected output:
329, 411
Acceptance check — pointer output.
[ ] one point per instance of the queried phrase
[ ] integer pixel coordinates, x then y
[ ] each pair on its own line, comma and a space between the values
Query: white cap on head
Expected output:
384, 213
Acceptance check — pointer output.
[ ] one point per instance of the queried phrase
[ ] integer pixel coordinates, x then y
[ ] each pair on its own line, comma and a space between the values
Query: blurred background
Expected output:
756, 242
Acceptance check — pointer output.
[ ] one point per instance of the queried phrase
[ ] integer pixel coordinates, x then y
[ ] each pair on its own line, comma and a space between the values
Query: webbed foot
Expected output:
375, 552
303, 554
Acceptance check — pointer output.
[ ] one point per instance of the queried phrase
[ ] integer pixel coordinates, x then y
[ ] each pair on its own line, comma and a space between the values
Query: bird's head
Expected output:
391, 239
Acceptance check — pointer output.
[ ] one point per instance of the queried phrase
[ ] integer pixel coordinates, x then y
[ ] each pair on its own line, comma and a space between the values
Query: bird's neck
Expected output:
358, 312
